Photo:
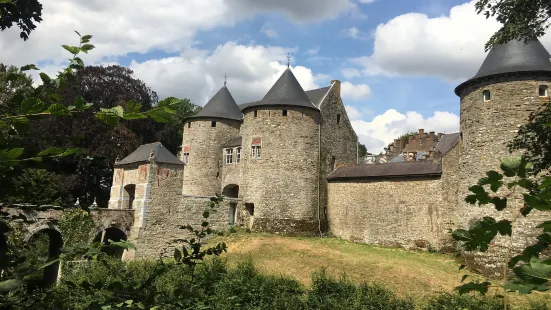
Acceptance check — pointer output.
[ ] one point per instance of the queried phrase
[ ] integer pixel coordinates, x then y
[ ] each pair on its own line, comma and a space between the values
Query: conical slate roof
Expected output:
512, 57
142, 154
222, 105
287, 92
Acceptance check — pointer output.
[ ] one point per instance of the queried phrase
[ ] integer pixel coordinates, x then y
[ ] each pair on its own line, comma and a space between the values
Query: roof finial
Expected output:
225, 78
288, 60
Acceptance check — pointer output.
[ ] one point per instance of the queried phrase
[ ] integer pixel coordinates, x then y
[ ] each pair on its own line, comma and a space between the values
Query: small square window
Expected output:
255, 151
228, 156
486, 95
185, 158
338, 118
542, 91
213, 124
238, 155
255, 113
284, 112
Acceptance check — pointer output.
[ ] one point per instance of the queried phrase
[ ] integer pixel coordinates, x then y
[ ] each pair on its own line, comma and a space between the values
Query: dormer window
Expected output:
486, 95
284, 112
542, 90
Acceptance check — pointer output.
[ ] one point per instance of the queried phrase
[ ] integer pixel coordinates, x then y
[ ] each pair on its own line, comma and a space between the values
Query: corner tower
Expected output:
512, 82
204, 134
280, 140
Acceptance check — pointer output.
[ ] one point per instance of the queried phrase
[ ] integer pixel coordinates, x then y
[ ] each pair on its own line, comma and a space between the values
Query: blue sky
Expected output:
398, 60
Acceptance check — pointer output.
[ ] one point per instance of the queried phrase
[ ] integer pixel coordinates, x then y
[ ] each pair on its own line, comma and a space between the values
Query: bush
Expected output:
330, 293
454, 301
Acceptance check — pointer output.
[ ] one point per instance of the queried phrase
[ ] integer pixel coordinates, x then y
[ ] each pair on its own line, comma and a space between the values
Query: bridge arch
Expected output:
115, 234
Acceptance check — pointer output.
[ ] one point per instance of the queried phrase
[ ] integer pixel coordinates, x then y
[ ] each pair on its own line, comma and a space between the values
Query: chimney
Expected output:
337, 86
421, 132
431, 134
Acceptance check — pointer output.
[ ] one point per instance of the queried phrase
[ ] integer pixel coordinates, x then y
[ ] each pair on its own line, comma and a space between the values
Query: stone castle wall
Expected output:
339, 143
202, 175
487, 127
400, 212
283, 183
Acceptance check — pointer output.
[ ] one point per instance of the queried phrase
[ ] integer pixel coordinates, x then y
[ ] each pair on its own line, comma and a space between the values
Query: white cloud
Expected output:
366, 1
355, 91
350, 73
124, 26
384, 128
451, 47
353, 113
199, 74
312, 51
354, 33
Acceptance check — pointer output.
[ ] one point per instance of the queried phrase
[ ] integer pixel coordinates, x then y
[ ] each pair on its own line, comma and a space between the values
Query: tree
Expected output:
520, 19
14, 89
362, 150
23, 13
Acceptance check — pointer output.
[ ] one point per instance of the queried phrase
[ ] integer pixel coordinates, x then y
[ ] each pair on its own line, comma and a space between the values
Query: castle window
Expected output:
255, 113
255, 151
238, 155
338, 118
228, 156
185, 158
486, 95
189, 125
284, 112
213, 124
420, 140
543, 91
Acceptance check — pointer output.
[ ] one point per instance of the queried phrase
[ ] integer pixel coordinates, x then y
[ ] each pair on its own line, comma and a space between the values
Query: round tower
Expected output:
512, 82
204, 134
280, 139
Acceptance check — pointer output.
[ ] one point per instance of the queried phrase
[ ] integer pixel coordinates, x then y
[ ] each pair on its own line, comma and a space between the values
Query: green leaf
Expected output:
29, 67
477, 189
504, 227
545, 183
79, 102
461, 235
133, 107
87, 47
473, 287
32, 105
545, 225
464, 277
14, 153
20, 124
45, 78
499, 203
10, 285
159, 115
206, 214
50, 151
177, 255
58, 109
133, 116
536, 202
108, 118
85, 38
72, 49
537, 271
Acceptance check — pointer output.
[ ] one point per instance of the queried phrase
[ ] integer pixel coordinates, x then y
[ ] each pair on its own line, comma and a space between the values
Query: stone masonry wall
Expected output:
400, 213
339, 143
202, 175
486, 128
283, 184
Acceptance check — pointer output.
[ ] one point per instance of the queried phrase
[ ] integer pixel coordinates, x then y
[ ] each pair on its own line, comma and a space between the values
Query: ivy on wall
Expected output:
76, 226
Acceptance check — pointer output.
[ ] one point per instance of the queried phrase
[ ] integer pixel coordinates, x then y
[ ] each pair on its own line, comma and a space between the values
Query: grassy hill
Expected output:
407, 273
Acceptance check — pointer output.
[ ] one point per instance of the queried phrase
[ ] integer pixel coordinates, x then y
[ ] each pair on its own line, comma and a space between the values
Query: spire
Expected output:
288, 61
222, 105
513, 57
225, 78
286, 92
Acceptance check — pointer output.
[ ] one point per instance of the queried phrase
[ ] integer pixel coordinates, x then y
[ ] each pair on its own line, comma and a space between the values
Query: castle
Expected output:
289, 164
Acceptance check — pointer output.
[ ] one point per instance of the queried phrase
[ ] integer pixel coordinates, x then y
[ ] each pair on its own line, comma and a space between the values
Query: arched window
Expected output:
130, 193
542, 91
486, 95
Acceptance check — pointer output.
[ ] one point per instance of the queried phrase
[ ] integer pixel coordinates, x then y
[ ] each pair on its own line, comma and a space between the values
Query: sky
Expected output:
398, 60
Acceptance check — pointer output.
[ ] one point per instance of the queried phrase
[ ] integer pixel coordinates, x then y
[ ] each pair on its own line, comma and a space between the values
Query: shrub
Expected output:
454, 301
330, 293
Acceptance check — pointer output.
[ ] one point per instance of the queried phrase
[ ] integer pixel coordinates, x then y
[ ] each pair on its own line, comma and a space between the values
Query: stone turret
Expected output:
510, 84
204, 134
280, 163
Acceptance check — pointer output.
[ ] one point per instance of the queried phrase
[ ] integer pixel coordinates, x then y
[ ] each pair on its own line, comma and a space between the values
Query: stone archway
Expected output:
38, 249
231, 191
114, 234
129, 195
